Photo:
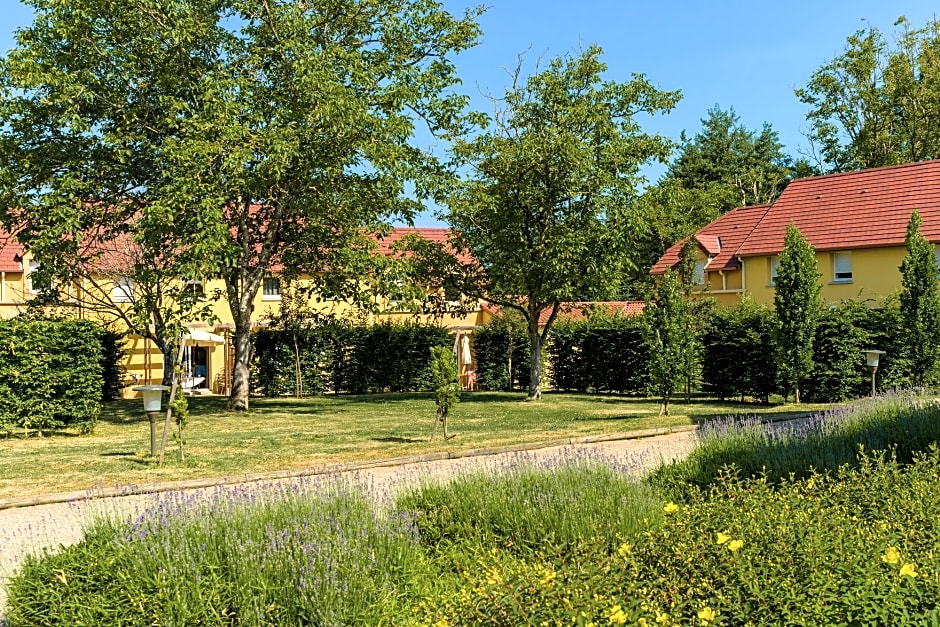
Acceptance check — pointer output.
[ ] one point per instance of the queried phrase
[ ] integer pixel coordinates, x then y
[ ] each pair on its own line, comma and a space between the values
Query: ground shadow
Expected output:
398, 440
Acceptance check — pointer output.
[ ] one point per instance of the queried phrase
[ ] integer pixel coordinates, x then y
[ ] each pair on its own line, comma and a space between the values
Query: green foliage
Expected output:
113, 352
235, 137
355, 359
444, 379
242, 557
736, 343
876, 104
839, 370
502, 353
742, 166
545, 214
528, 507
796, 305
606, 354
669, 333
50, 374
827, 441
920, 304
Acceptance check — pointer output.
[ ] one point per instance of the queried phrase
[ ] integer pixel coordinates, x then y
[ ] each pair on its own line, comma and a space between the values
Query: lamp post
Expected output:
153, 399
871, 356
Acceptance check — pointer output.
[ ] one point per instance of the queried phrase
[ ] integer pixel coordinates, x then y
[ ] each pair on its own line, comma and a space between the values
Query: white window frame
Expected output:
698, 273
202, 288
271, 294
33, 267
123, 290
842, 267
774, 269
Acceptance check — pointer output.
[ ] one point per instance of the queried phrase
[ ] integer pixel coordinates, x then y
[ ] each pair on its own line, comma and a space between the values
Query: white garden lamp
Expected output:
872, 356
153, 400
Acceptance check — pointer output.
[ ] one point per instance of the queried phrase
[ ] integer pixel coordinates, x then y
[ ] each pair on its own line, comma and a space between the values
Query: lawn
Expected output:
291, 434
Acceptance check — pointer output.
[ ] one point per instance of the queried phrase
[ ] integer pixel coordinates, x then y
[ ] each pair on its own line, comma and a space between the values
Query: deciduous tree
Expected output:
545, 207
242, 135
668, 330
877, 103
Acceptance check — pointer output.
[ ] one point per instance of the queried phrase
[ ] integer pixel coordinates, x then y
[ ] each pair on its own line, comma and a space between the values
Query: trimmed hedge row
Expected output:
345, 358
737, 353
606, 356
55, 373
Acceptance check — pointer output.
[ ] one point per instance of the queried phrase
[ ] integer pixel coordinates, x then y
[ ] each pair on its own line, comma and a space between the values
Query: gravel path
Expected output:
30, 530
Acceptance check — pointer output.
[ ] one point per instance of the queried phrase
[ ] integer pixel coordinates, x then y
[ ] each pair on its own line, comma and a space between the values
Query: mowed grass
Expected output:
295, 434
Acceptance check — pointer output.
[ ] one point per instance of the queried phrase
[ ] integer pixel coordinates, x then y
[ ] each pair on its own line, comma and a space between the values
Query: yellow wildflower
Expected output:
493, 577
908, 570
548, 576
723, 537
662, 619
616, 615
811, 484
624, 549
707, 614
641, 622
734, 545
891, 556
670, 508
442, 623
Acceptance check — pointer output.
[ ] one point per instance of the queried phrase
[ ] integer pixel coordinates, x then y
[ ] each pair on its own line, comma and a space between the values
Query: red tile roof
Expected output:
571, 312
719, 240
864, 209
11, 253
436, 235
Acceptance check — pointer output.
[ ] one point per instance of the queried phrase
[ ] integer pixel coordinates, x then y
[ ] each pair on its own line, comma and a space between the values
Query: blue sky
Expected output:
749, 55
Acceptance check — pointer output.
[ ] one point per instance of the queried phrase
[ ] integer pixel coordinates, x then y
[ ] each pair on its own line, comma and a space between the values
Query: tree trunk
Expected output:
169, 362
535, 360
298, 378
796, 395
238, 399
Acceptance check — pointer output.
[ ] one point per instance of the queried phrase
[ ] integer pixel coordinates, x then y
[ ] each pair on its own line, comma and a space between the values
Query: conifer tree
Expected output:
920, 304
797, 305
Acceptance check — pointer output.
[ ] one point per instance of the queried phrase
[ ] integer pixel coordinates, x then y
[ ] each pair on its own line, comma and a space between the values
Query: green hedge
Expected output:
605, 356
738, 352
502, 354
346, 358
50, 374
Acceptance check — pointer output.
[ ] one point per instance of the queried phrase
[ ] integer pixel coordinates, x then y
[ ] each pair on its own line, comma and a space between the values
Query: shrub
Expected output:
839, 370
50, 374
859, 547
340, 357
112, 363
825, 442
606, 354
738, 347
501, 348
245, 556
528, 507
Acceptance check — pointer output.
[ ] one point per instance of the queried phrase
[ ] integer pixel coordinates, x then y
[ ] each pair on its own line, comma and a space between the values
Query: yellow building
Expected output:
208, 352
856, 221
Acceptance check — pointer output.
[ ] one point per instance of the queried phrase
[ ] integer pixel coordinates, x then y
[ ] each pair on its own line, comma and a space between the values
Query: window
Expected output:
271, 290
774, 267
35, 287
195, 288
123, 290
842, 267
698, 275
